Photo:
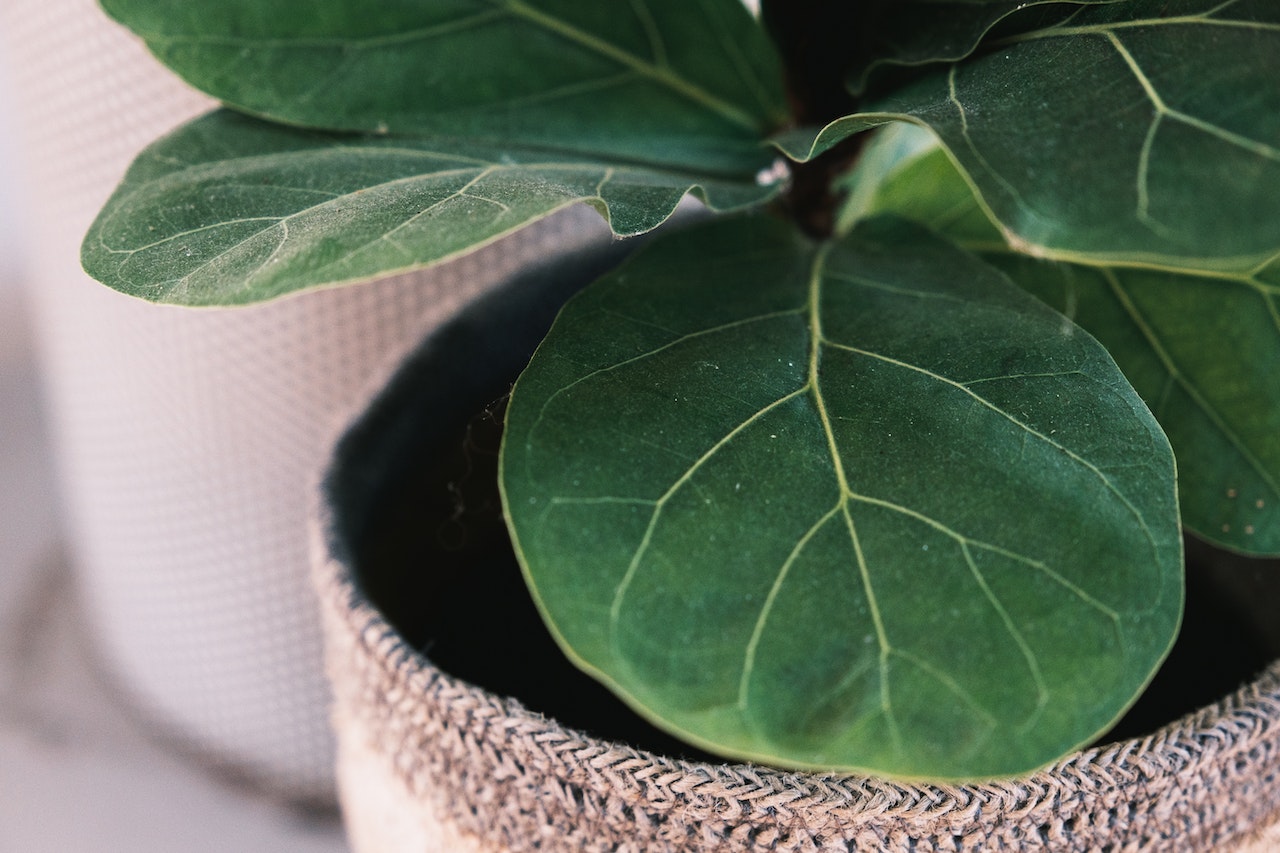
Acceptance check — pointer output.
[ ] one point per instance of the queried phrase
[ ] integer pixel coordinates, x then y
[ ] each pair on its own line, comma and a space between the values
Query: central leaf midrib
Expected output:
345, 43
660, 74
283, 222
574, 159
337, 199
842, 508
333, 199
817, 340
500, 9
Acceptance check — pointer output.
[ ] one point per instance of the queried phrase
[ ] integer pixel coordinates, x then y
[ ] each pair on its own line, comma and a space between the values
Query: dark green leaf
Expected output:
229, 209
924, 32
1202, 349
1142, 130
693, 83
1204, 352
863, 505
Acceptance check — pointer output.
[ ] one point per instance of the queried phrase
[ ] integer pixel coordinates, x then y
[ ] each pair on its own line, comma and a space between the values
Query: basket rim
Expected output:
500, 770
1243, 720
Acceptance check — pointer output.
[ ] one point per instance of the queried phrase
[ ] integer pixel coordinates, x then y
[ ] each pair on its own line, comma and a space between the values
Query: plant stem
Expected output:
816, 38
813, 202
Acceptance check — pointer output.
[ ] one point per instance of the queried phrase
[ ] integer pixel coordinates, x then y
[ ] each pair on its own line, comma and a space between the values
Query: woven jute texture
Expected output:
457, 768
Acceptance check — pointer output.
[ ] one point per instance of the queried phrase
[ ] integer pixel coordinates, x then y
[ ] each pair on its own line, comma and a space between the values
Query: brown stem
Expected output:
813, 201
815, 39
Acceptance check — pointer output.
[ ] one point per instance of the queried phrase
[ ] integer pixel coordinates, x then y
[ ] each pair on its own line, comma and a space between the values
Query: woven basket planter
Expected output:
430, 762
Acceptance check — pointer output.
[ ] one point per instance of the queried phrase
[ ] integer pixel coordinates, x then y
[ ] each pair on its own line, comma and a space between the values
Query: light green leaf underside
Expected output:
1155, 138
230, 210
689, 82
1202, 349
864, 506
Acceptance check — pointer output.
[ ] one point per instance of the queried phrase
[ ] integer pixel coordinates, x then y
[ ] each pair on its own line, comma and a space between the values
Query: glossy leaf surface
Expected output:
693, 83
1142, 130
229, 209
864, 505
1202, 349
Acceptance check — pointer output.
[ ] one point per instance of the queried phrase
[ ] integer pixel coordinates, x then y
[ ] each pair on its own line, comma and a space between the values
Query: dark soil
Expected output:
440, 566
1229, 634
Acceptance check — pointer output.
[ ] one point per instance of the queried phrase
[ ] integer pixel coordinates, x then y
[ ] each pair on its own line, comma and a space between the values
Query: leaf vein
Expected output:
1005, 184
344, 43
684, 338
873, 284
664, 76
1203, 19
615, 609
950, 684
1053, 374
749, 659
1176, 373
966, 541
1066, 451
190, 232
1019, 639
657, 46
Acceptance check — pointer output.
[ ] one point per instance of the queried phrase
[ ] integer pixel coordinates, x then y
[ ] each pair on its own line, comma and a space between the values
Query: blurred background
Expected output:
80, 770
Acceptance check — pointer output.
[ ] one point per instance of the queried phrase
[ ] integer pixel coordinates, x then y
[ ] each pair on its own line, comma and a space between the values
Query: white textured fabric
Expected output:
187, 438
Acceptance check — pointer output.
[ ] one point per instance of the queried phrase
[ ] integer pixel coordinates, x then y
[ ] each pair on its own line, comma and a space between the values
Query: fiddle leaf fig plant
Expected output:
875, 470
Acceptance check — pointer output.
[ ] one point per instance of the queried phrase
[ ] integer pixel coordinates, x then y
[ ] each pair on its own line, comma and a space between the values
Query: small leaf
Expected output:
1203, 349
228, 209
862, 505
1140, 130
692, 84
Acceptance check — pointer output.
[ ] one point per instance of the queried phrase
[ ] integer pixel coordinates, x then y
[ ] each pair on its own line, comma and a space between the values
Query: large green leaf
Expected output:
1140, 130
862, 505
693, 83
229, 209
1203, 349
